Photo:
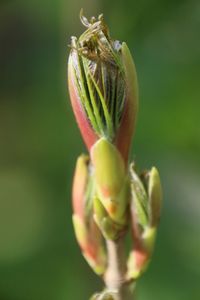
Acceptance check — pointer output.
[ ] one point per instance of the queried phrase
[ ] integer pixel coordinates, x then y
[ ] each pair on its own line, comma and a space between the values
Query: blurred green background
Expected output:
39, 143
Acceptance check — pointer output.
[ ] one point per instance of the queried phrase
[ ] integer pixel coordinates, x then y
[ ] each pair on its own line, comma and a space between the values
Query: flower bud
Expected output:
103, 86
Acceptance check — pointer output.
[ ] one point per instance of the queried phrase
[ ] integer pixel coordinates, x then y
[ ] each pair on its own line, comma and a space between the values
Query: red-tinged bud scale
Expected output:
88, 234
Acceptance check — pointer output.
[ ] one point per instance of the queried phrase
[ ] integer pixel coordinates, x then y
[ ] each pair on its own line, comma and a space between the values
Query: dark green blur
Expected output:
39, 143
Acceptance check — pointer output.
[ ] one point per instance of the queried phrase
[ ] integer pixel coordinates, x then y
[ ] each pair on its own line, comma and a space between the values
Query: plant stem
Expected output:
115, 275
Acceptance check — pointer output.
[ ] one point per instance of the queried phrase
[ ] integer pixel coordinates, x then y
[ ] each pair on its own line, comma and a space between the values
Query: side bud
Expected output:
145, 208
87, 233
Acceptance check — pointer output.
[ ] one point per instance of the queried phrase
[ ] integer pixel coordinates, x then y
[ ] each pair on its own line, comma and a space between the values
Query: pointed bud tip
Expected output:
155, 196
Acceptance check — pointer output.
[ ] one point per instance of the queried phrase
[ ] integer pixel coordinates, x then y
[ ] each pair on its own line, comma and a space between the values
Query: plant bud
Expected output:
145, 210
111, 180
146, 194
103, 86
87, 232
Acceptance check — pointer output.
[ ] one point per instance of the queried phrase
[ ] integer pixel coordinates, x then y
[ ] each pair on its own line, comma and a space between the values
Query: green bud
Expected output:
109, 168
145, 212
110, 178
146, 197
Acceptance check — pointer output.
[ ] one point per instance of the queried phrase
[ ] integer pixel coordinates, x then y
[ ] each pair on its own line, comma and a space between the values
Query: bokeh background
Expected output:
39, 143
